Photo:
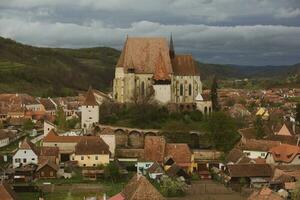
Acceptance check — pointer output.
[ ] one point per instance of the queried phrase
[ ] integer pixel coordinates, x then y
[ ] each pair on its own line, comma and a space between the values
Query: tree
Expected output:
296, 192
259, 128
111, 171
28, 125
222, 131
214, 95
60, 119
298, 113
172, 187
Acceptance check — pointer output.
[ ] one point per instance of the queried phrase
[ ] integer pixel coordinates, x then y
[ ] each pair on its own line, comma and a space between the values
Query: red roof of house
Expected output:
180, 153
52, 136
285, 153
154, 148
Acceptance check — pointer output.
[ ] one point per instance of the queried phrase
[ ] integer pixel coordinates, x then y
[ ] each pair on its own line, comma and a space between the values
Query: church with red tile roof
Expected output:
150, 67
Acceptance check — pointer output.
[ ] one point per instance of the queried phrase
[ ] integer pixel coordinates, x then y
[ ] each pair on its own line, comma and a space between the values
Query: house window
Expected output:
24, 160
84, 165
248, 153
82, 158
190, 90
181, 90
96, 157
24, 151
17, 160
33, 159
55, 145
72, 157
51, 173
94, 165
263, 154
90, 117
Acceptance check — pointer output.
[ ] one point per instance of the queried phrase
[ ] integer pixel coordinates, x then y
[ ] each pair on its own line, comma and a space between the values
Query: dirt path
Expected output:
209, 190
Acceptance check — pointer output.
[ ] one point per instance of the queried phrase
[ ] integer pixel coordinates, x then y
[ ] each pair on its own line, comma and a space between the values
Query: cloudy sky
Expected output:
246, 32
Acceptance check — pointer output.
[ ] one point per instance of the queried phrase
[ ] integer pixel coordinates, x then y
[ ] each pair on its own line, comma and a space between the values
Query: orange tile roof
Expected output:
285, 153
90, 99
265, 194
161, 72
184, 65
143, 53
6, 192
180, 153
154, 148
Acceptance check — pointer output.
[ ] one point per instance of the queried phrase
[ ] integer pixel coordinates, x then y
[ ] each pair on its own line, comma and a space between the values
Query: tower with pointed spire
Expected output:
171, 48
89, 110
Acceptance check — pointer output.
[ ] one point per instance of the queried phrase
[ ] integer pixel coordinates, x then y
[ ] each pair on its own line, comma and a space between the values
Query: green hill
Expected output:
59, 72
54, 72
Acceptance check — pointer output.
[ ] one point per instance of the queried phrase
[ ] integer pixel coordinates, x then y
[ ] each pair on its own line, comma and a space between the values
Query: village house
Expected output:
284, 154
89, 111
66, 144
48, 126
46, 170
156, 149
49, 105
149, 66
255, 175
26, 154
91, 152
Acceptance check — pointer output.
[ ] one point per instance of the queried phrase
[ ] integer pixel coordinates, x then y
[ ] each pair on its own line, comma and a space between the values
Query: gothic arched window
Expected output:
181, 89
142, 88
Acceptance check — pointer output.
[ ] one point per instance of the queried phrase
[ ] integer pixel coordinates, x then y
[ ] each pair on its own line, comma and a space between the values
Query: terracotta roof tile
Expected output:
6, 192
90, 99
139, 188
249, 170
285, 153
143, 53
265, 194
161, 73
91, 146
154, 148
180, 153
184, 65
52, 136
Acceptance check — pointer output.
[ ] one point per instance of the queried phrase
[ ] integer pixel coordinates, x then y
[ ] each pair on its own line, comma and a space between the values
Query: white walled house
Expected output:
142, 166
89, 111
26, 154
255, 154
48, 126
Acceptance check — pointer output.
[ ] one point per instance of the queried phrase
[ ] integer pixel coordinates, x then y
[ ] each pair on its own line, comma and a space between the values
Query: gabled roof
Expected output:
154, 148
184, 65
249, 170
93, 146
47, 163
284, 131
139, 188
180, 152
49, 151
155, 168
143, 53
285, 153
28, 145
6, 192
90, 99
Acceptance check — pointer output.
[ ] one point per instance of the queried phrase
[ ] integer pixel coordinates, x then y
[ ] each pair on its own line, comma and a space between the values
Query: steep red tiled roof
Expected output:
180, 153
139, 188
27, 144
49, 151
90, 99
154, 148
285, 153
161, 73
6, 192
47, 163
143, 53
184, 65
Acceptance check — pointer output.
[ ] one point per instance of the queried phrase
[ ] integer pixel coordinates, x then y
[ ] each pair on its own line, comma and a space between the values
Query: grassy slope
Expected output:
46, 71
